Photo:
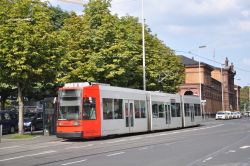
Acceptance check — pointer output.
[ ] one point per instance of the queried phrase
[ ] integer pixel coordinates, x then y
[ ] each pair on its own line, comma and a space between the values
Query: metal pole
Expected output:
1, 132
201, 104
222, 88
143, 49
249, 98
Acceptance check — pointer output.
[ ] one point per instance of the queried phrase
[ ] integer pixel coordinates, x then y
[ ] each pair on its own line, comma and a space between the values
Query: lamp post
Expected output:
202, 103
222, 88
249, 97
143, 47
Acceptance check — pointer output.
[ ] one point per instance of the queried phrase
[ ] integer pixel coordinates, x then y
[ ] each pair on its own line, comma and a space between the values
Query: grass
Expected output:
21, 136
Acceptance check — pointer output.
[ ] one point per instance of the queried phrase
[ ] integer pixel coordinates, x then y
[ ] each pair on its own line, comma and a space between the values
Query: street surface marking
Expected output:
122, 140
209, 158
244, 147
115, 154
77, 147
136, 138
145, 148
230, 151
10, 147
75, 162
29, 155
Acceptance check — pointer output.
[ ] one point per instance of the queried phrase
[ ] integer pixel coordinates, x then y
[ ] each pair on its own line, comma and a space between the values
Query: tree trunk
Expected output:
20, 108
2, 105
3, 101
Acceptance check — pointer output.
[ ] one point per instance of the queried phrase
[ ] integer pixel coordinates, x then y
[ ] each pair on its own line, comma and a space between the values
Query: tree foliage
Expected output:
102, 47
244, 98
29, 46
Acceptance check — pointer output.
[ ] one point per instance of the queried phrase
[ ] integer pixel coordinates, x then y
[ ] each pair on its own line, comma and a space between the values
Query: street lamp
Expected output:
202, 103
222, 88
143, 48
248, 96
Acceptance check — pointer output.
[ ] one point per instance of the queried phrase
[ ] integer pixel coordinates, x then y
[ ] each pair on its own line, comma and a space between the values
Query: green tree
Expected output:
102, 47
5, 92
29, 46
244, 98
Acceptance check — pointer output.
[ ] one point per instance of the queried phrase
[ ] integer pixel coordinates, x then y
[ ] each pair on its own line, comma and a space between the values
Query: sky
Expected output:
223, 26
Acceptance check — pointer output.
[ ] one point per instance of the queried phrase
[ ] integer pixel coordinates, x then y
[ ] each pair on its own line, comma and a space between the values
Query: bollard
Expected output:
1, 132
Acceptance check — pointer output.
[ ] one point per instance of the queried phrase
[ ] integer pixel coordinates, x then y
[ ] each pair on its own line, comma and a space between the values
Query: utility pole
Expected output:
143, 47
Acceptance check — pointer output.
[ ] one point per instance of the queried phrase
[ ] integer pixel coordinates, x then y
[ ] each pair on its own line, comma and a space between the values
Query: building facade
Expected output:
215, 86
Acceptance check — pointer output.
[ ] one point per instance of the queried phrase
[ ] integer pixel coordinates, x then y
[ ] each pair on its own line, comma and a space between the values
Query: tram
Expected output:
90, 110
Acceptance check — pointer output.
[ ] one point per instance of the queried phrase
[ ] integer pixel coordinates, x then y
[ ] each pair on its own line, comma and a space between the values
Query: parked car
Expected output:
235, 115
238, 114
9, 121
33, 121
222, 115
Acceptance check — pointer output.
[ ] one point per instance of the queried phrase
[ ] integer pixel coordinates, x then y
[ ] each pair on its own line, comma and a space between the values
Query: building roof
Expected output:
191, 62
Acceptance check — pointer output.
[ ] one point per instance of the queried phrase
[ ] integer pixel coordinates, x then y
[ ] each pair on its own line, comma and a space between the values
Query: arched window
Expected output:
188, 93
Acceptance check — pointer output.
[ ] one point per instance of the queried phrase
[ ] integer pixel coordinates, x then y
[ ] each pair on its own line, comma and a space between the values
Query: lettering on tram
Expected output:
87, 110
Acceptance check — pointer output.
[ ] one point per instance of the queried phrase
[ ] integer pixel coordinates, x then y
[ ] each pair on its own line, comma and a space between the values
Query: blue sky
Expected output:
184, 25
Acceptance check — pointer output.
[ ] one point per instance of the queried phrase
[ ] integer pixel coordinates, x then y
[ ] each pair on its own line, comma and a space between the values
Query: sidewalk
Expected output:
8, 141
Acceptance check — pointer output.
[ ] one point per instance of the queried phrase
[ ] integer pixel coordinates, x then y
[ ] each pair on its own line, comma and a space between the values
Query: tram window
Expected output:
186, 109
89, 108
155, 110
137, 109
118, 109
161, 110
178, 109
197, 109
107, 108
173, 110
140, 109
143, 109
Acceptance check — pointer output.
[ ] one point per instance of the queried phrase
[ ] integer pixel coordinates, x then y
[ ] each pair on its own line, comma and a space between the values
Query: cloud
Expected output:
245, 13
246, 61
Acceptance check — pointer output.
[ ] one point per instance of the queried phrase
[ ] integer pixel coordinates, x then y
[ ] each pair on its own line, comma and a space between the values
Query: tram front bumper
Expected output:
70, 135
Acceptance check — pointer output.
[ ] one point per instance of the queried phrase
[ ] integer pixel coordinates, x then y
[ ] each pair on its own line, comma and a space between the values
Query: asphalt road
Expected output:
214, 143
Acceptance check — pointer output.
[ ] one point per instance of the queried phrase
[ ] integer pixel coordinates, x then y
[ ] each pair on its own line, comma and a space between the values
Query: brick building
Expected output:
211, 87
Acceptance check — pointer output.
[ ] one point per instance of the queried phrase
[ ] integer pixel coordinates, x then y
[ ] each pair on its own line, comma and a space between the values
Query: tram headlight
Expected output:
76, 123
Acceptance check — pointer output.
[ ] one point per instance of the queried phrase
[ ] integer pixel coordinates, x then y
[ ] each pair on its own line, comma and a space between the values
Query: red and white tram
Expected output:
94, 110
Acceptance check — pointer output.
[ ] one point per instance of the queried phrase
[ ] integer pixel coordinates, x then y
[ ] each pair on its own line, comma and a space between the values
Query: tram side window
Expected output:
186, 109
155, 109
197, 109
107, 108
140, 109
137, 109
143, 109
118, 108
89, 108
173, 110
178, 109
161, 110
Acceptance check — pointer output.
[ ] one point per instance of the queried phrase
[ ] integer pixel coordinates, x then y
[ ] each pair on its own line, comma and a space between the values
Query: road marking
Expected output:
136, 138
145, 148
75, 162
78, 147
115, 154
209, 158
29, 155
230, 151
244, 147
10, 147
122, 140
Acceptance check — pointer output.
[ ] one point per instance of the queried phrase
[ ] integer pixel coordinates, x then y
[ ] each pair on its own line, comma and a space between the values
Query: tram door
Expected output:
192, 113
129, 114
168, 114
